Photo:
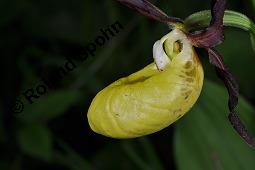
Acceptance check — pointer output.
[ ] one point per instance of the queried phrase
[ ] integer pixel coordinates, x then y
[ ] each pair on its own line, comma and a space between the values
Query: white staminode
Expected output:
159, 55
161, 58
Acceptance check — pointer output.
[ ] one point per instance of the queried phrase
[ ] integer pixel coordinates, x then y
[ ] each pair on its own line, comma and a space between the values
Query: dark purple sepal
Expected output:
147, 9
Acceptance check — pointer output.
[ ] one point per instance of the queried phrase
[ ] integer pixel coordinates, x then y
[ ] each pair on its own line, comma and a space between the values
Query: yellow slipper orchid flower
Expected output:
162, 92
154, 97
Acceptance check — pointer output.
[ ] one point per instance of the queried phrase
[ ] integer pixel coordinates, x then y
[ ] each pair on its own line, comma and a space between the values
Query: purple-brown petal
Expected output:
241, 130
233, 91
147, 9
213, 35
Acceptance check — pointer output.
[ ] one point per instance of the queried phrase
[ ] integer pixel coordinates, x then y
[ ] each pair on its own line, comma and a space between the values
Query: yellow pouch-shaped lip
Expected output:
149, 100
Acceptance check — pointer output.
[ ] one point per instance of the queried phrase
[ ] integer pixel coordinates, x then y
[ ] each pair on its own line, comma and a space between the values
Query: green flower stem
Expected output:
231, 18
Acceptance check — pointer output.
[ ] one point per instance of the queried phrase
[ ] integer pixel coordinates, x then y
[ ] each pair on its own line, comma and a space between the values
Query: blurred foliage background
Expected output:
52, 133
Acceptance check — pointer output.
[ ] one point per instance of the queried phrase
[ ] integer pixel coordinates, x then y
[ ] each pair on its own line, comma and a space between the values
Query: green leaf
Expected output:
146, 158
253, 41
117, 159
134, 156
150, 153
231, 18
36, 141
204, 139
50, 106
70, 158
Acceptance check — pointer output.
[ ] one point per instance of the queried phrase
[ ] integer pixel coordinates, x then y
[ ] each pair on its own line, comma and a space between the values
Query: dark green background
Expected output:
53, 133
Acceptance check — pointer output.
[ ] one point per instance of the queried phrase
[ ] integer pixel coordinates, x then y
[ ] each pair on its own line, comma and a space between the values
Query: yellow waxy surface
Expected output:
148, 100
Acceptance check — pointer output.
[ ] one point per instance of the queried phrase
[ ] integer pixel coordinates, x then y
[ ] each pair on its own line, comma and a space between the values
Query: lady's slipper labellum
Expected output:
154, 97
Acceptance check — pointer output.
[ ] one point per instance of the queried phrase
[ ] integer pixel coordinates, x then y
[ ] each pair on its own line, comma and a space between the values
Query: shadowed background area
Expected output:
55, 57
